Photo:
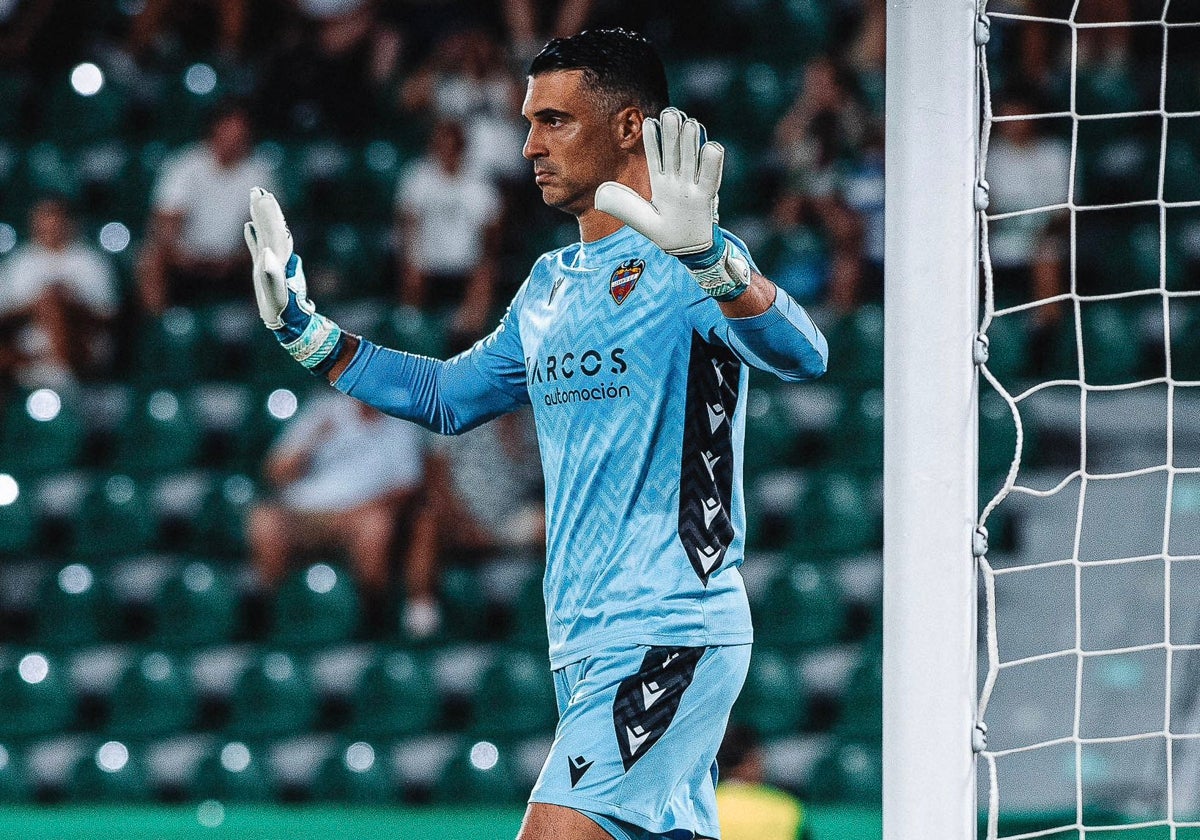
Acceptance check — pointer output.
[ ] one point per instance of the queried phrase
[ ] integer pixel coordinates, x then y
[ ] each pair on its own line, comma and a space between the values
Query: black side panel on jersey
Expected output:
646, 702
706, 473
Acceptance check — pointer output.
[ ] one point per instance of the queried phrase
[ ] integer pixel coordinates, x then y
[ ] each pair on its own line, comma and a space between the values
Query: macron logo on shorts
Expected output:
578, 765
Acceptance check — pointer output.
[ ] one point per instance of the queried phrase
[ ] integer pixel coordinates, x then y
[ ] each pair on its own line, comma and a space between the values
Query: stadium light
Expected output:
112, 756
87, 79
43, 405
114, 237
320, 578
360, 757
33, 668
75, 579
484, 755
282, 404
9, 489
200, 79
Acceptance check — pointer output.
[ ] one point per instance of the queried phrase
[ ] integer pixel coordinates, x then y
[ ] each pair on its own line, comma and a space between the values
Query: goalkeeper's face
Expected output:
575, 145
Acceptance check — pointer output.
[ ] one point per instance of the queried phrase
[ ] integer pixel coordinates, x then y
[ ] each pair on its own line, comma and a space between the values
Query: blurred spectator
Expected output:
484, 493
868, 54
161, 22
529, 29
862, 192
58, 296
449, 222
333, 74
467, 79
344, 475
1026, 170
748, 808
194, 250
823, 126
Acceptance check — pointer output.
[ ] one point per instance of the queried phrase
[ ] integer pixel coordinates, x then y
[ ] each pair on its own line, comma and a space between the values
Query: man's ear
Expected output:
627, 125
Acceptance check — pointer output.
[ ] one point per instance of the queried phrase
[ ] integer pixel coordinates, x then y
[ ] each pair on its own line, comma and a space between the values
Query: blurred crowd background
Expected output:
221, 579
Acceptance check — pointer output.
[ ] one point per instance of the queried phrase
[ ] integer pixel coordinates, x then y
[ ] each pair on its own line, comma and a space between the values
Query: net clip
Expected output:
979, 542
982, 195
979, 737
983, 30
980, 351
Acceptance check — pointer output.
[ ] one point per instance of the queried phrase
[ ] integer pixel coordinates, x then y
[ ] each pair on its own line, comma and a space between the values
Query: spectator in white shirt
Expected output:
344, 475
194, 250
449, 221
58, 296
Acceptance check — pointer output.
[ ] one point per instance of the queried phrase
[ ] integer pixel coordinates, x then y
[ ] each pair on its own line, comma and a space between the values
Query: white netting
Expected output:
1095, 600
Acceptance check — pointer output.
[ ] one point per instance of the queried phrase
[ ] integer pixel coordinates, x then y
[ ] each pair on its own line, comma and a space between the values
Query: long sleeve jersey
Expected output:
638, 387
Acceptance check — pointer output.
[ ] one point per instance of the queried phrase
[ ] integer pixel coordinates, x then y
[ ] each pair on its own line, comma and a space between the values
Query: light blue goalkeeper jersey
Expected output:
638, 388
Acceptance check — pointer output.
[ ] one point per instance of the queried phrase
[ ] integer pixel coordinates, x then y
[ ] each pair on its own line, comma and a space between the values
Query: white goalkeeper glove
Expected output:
280, 289
681, 215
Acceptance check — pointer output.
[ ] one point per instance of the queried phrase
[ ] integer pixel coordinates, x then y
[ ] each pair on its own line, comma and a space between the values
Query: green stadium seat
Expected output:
80, 120
43, 431
162, 436
770, 433
479, 773
115, 519
464, 605
315, 606
220, 524
851, 773
183, 114
861, 717
272, 698
115, 772
357, 774
997, 434
233, 772
772, 701
839, 514
760, 96
153, 697
857, 434
516, 696
48, 170
170, 351
396, 698
354, 256
529, 614
1008, 349
18, 519
413, 331
15, 783
801, 608
197, 606
1111, 353
74, 608
1105, 88
36, 696
856, 342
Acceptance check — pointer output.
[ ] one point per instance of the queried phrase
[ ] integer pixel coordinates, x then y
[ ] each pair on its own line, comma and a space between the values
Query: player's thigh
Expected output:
555, 822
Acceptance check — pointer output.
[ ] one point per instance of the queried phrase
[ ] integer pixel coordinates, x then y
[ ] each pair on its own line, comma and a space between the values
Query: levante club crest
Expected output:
624, 279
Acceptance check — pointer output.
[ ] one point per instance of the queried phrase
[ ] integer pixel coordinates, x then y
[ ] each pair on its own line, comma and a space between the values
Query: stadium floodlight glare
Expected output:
43, 405
360, 757
87, 79
200, 79
282, 404
112, 756
163, 405
33, 668
8, 237
75, 579
9, 490
210, 813
114, 237
320, 578
235, 756
484, 755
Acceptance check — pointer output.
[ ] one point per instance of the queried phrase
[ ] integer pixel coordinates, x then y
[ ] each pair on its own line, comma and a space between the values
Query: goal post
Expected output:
930, 420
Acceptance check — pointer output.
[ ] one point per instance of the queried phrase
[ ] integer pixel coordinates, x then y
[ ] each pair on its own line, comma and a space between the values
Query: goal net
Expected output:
1089, 412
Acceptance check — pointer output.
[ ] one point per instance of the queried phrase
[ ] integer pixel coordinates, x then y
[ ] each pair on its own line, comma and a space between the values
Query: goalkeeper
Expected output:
632, 346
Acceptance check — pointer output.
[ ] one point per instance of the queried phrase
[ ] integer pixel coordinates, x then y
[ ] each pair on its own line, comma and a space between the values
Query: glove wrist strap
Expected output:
726, 278
316, 343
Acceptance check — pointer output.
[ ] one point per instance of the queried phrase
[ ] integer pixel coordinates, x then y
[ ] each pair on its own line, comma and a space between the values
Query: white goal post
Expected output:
930, 419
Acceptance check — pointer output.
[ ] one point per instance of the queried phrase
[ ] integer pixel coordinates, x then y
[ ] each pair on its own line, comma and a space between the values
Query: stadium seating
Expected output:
480, 772
43, 431
232, 771
272, 698
396, 697
36, 695
516, 697
801, 608
772, 701
115, 519
15, 785
197, 606
74, 608
317, 605
152, 698
112, 772
161, 436
357, 773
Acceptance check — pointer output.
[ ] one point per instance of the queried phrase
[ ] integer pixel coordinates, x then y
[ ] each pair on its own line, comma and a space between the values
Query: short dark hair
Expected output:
621, 67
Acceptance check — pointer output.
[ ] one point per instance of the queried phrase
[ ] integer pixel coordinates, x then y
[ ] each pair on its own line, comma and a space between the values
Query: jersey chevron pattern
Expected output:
638, 386
627, 402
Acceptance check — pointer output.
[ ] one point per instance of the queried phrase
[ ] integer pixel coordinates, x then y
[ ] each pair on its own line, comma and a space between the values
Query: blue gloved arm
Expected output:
447, 397
783, 340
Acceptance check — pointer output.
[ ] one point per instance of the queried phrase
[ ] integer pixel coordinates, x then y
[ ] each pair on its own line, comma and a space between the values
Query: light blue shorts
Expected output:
637, 738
